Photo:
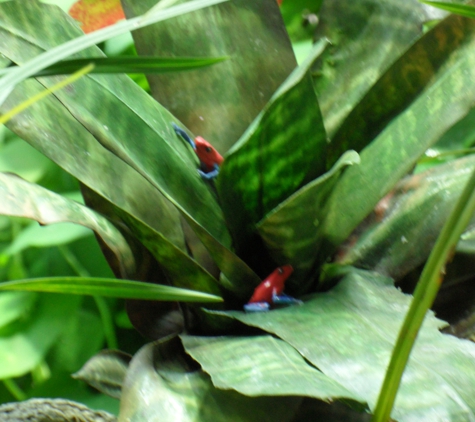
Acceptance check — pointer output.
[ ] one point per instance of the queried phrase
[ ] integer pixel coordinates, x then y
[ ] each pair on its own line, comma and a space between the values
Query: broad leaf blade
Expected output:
219, 102
333, 330
395, 151
261, 366
367, 36
160, 385
399, 85
145, 210
24, 199
108, 287
290, 231
66, 49
283, 149
160, 157
413, 216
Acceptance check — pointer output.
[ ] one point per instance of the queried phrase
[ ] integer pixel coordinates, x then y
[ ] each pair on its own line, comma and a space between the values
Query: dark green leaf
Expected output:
157, 155
283, 149
366, 37
413, 215
399, 85
147, 213
81, 41
290, 230
160, 385
261, 366
129, 65
108, 287
349, 332
395, 151
221, 101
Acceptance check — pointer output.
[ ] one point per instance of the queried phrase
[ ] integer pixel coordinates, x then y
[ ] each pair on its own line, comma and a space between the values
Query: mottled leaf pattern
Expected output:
349, 332
283, 149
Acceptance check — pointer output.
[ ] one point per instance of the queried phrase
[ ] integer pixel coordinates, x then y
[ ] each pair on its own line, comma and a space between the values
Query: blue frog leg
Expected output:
179, 131
210, 174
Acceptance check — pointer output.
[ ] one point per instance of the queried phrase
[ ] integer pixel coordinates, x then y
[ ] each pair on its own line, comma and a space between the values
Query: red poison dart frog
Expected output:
210, 159
271, 291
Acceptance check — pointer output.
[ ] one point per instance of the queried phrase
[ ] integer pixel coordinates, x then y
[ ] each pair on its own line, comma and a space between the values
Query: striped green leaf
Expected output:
283, 149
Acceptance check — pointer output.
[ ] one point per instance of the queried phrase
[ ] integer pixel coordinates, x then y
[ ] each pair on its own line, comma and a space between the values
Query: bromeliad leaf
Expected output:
332, 331
162, 382
147, 212
261, 366
398, 86
446, 101
218, 102
414, 213
73, 46
282, 149
136, 116
348, 70
24, 199
290, 230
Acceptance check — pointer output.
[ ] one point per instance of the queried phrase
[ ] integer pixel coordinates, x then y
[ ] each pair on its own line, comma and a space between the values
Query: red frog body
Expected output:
271, 291
210, 159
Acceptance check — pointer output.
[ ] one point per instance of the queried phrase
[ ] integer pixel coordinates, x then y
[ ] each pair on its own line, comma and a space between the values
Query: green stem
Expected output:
424, 296
104, 311
107, 322
14, 390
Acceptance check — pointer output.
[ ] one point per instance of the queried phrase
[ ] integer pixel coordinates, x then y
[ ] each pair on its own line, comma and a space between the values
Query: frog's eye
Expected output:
208, 149
281, 271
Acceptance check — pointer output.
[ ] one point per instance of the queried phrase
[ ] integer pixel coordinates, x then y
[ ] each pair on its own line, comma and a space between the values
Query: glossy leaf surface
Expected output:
334, 330
399, 85
282, 149
394, 152
73, 147
160, 385
367, 37
412, 217
219, 102
290, 230
261, 366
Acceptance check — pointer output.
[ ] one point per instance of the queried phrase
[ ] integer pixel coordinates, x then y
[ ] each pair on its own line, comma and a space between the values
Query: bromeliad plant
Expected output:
304, 173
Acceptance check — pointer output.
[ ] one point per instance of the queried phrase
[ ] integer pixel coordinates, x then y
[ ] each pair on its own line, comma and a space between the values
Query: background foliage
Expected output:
346, 167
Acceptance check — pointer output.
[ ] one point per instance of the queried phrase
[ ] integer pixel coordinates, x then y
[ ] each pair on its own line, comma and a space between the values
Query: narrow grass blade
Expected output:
126, 65
109, 287
79, 72
459, 9
424, 295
